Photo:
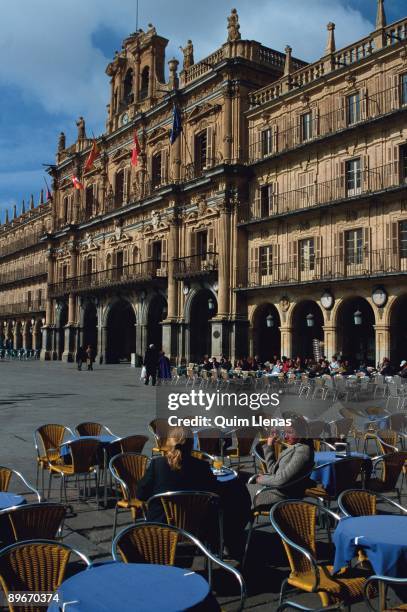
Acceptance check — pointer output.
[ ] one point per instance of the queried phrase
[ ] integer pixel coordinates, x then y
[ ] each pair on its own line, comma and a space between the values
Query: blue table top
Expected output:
8, 500
326, 475
126, 587
322, 457
382, 537
105, 440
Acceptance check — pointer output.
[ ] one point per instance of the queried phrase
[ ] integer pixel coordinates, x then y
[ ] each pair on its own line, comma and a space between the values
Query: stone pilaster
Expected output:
286, 340
330, 340
382, 333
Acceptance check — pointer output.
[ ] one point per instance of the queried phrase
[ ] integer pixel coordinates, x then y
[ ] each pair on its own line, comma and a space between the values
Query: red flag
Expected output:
76, 183
135, 151
94, 153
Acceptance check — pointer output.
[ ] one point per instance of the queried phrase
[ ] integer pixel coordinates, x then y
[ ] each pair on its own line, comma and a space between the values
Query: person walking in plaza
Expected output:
89, 357
151, 359
81, 356
164, 367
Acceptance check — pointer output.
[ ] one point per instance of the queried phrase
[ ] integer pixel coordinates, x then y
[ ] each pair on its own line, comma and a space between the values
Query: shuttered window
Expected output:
156, 168
354, 246
266, 200
266, 260
353, 176
201, 145
307, 254
403, 238
306, 127
266, 142
353, 108
157, 252
403, 163
403, 88
119, 191
202, 244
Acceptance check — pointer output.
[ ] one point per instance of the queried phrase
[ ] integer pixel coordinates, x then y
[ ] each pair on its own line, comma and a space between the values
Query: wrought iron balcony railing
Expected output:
195, 265
365, 109
13, 246
26, 307
24, 273
347, 187
112, 277
322, 269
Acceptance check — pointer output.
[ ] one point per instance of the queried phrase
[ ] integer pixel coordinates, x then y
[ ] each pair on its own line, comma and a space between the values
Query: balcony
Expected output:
195, 265
370, 108
367, 182
14, 246
21, 274
18, 308
130, 275
369, 264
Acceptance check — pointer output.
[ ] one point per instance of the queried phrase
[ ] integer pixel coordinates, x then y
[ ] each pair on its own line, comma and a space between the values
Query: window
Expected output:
266, 142
128, 86
156, 170
29, 299
89, 201
39, 296
119, 191
353, 176
266, 200
353, 108
266, 260
403, 163
201, 144
65, 209
306, 127
202, 244
119, 261
307, 254
157, 250
354, 246
403, 238
404, 89
145, 77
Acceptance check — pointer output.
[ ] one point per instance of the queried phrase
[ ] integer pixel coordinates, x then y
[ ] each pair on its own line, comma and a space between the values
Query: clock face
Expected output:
379, 296
125, 118
327, 300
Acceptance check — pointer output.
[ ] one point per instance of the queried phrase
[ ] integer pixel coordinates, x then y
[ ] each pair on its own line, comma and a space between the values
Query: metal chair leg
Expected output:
115, 521
249, 535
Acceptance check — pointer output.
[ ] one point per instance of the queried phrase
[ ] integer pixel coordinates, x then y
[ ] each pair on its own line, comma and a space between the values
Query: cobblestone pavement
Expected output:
34, 393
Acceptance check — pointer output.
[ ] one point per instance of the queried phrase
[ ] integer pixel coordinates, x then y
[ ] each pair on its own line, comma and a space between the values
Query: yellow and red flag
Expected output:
136, 150
76, 182
94, 154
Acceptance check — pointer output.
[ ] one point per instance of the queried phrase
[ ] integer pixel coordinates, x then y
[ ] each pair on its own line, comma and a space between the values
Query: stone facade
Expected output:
277, 215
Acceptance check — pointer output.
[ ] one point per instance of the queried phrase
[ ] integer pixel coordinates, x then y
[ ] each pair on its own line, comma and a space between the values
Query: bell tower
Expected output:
136, 76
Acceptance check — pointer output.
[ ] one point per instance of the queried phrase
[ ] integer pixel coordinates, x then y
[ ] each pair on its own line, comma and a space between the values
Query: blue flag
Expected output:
176, 124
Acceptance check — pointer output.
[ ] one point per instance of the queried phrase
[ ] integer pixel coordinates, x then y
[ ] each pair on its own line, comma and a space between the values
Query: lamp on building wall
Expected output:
357, 317
43, 321
211, 304
32, 322
270, 320
310, 320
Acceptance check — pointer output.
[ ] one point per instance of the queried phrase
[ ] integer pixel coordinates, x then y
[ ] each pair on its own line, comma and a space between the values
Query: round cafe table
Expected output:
382, 537
126, 587
325, 474
8, 500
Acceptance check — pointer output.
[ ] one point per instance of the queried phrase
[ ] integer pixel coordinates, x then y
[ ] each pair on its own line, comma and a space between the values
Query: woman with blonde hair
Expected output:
178, 470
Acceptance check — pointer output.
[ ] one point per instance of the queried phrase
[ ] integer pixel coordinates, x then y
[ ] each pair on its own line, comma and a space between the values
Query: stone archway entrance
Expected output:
356, 334
90, 327
398, 331
266, 332
308, 330
203, 309
157, 312
121, 332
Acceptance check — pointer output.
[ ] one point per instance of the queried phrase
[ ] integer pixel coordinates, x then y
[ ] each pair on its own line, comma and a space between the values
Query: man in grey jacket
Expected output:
287, 475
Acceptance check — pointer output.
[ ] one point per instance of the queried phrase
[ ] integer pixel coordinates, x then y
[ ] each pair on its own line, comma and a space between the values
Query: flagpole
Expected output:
137, 16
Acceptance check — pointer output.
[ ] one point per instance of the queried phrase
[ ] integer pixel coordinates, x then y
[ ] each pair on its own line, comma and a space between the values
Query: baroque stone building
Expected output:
276, 223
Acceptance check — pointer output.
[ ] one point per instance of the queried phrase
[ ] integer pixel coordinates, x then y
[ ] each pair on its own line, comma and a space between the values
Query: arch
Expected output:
199, 315
266, 335
90, 326
61, 320
308, 332
145, 78
128, 86
28, 335
121, 331
398, 330
157, 312
356, 343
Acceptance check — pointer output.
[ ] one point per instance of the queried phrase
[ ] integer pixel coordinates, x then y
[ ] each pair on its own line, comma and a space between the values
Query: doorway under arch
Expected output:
266, 332
398, 331
157, 312
203, 309
356, 334
308, 332
121, 332
90, 326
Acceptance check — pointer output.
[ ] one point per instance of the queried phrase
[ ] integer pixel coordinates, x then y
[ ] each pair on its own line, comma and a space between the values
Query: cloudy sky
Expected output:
53, 57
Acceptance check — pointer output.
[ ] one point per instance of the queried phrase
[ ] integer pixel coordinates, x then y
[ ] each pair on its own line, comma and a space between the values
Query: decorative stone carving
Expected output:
80, 124
155, 219
61, 142
188, 52
233, 26
284, 303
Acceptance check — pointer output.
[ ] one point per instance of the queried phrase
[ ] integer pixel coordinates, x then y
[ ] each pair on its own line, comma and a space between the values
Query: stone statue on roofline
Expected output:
188, 52
80, 124
233, 26
61, 142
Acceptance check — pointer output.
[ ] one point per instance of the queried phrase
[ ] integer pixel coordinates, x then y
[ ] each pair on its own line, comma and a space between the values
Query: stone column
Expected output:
330, 340
170, 344
46, 348
136, 81
141, 339
382, 342
102, 344
286, 340
70, 328
176, 160
25, 330
220, 323
228, 118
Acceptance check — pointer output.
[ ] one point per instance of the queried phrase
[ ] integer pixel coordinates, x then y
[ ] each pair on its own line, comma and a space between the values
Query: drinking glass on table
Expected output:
217, 464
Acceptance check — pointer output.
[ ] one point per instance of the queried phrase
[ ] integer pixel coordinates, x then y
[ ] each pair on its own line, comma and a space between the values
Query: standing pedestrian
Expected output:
164, 367
81, 356
151, 359
89, 357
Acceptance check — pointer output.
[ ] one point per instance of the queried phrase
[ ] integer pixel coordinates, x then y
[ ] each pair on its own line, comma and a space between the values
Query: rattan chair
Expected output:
291, 605
92, 429
295, 523
6, 475
194, 511
128, 469
33, 521
35, 566
245, 437
355, 502
385, 582
84, 462
210, 440
47, 440
156, 543
346, 473
386, 441
132, 444
392, 465
159, 428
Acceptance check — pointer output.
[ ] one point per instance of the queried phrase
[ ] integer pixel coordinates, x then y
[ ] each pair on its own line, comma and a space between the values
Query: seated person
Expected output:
403, 369
294, 462
177, 471
386, 368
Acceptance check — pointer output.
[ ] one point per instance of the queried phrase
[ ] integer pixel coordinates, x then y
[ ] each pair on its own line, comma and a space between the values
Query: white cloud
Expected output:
46, 46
